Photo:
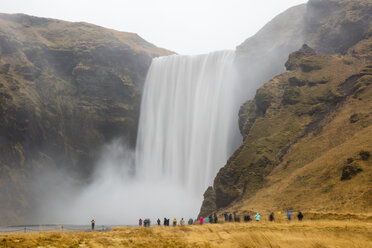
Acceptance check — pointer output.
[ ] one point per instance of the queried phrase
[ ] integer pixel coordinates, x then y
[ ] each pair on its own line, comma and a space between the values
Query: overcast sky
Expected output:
183, 26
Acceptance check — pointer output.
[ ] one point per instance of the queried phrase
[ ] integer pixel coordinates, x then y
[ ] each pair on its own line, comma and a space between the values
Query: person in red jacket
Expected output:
140, 222
201, 220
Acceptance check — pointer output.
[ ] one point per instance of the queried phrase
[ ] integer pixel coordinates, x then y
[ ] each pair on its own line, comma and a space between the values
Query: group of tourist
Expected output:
229, 217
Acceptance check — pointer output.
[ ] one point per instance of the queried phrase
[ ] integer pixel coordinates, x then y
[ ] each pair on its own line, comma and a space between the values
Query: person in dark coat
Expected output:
235, 217
226, 215
271, 217
158, 222
247, 218
300, 216
210, 218
230, 218
215, 219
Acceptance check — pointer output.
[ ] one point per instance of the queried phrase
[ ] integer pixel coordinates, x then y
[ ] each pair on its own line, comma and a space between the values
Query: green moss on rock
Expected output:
291, 96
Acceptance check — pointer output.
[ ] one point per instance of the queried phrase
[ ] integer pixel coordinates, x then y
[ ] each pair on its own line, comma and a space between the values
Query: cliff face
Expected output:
306, 130
262, 56
65, 89
333, 26
328, 26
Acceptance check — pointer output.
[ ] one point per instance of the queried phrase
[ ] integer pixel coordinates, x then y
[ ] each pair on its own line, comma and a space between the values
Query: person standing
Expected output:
174, 222
271, 217
201, 220
247, 218
300, 216
140, 222
210, 218
182, 222
215, 219
226, 215
93, 223
257, 216
190, 221
158, 222
289, 215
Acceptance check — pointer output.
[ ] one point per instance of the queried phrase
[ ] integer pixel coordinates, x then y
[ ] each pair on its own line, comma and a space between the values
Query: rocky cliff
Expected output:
65, 89
328, 26
307, 131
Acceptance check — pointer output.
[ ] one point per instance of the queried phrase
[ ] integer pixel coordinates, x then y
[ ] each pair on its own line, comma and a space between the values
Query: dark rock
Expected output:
263, 100
247, 116
309, 65
209, 203
294, 81
366, 70
354, 118
295, 58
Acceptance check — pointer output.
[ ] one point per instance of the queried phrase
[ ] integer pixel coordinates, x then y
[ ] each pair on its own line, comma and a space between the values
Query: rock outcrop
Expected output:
65, 89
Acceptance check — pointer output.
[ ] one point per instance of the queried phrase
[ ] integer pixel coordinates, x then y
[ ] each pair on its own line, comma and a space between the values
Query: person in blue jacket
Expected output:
257, 216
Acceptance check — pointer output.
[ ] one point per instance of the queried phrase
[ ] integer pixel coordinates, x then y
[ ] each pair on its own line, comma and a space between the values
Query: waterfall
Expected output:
187, 127
188, 120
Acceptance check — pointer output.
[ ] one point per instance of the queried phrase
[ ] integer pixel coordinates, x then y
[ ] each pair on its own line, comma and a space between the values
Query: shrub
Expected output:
364, 155
350, 171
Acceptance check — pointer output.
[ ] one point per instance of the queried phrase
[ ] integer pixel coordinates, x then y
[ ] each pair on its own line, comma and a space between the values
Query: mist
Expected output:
115, 195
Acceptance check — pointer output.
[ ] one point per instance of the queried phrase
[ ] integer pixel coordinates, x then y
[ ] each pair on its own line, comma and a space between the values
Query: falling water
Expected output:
188, 119
186, 133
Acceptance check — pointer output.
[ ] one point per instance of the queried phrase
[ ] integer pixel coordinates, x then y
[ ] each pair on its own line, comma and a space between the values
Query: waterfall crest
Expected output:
187, 119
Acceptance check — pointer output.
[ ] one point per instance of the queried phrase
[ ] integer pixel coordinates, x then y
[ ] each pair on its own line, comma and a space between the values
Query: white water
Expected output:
187, 127
188, 120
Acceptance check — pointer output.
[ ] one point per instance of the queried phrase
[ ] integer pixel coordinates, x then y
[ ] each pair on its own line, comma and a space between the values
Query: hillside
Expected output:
307, 139
65, 89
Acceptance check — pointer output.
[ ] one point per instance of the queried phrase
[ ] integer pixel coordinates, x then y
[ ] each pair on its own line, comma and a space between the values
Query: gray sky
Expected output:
183, 26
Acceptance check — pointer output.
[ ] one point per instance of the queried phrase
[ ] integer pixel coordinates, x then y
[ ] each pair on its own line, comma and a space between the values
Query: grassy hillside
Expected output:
307, 139
308, 234
65, 89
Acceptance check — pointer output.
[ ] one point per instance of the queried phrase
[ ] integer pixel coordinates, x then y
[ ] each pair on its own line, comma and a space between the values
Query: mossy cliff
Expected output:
307, 138
65, 89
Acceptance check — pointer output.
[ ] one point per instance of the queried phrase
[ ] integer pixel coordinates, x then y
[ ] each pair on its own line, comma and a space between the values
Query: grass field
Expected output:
314, 234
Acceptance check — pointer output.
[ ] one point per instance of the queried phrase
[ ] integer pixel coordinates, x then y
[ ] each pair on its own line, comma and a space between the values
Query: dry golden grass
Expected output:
264, 234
